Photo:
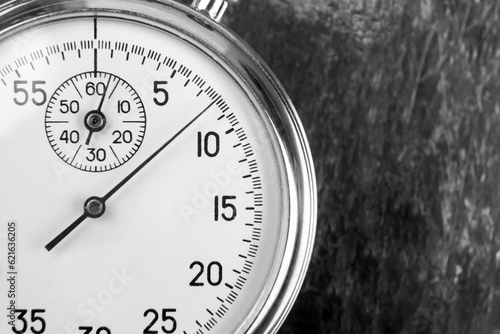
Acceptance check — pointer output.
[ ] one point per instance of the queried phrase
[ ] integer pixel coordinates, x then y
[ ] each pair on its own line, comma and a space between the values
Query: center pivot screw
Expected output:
95, 207
95, 121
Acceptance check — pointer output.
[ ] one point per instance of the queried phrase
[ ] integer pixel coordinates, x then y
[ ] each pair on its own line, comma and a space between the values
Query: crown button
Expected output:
213, 8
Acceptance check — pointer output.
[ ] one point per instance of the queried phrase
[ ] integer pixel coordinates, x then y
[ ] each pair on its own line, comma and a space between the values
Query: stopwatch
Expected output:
154, 175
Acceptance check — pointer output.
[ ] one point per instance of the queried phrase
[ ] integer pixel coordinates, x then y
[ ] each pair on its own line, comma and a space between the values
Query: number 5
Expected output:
163, 91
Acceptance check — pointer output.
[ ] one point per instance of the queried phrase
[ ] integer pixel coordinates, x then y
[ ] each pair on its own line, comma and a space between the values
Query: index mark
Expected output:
76, 88
74, 157
117, 82
95, 63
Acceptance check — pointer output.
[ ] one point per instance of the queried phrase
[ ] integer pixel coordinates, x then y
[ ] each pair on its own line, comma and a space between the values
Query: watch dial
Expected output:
192, 237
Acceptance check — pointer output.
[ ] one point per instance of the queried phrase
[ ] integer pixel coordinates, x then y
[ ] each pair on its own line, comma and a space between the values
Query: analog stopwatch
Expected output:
154, 176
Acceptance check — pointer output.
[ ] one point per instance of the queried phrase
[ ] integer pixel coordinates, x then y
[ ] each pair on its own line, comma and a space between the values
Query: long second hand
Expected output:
102, 200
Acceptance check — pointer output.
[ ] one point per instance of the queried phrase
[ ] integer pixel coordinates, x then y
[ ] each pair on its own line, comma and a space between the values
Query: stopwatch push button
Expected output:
213, 8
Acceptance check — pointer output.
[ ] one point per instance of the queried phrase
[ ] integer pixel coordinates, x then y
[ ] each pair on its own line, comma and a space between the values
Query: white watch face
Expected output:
190, 242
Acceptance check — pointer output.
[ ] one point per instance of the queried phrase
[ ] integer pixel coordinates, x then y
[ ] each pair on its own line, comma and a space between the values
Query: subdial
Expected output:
95, 121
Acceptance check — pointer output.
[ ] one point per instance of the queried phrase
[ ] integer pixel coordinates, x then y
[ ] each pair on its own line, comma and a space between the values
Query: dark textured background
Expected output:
400, 104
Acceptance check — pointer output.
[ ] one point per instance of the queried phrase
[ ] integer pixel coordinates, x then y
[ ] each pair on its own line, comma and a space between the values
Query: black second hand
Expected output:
91, 132
103, 199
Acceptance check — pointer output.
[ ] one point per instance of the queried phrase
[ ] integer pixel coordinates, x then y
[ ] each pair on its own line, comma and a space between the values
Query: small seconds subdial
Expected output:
95, 121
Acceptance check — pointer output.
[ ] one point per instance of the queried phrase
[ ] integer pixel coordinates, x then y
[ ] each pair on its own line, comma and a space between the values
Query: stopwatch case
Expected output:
255, 78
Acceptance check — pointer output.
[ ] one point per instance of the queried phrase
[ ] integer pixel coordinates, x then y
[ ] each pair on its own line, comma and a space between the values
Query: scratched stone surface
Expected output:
400, 103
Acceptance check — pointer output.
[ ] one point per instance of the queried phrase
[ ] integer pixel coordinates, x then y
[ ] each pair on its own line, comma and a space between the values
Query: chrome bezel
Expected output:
228, 51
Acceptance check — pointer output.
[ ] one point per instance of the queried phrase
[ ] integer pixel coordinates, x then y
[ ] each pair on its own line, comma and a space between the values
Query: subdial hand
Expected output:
96, 206
95, 120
